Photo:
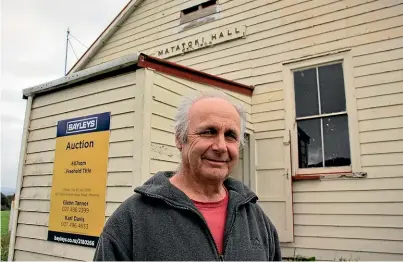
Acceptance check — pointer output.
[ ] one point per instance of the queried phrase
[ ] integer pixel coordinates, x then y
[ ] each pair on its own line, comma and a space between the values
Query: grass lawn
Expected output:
5, 236
5, 215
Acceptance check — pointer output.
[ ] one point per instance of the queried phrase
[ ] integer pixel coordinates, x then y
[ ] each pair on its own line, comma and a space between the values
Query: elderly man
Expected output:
197, 212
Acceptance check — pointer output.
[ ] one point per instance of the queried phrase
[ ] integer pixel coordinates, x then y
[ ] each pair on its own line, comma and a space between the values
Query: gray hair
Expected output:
182, 118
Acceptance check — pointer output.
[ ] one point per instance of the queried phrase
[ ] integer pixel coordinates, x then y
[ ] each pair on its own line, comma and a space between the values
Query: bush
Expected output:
5, 241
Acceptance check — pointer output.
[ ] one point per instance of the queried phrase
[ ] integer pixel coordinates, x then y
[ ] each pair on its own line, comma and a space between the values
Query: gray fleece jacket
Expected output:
161, 223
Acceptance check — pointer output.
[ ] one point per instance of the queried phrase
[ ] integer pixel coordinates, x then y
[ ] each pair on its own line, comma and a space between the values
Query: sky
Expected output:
32, 51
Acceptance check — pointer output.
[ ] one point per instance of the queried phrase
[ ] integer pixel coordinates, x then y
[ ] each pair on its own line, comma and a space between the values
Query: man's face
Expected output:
212, 147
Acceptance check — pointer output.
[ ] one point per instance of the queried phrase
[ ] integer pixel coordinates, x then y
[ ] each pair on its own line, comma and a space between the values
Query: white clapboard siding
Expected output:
105, 97
368, 196
362, 245
169, 35
162, 165
279, 42
85, 90
355, 208
164, 152
382, 89
338, 255
115, 95
381, 221
269, 134
54, 249
346, 232
379, 67
249, 14
380, 101
385, 159
393, 54
162, 137
168, 90
383, 147
20, 255
186, 87
348, 185
268, 87
339, 218
293, 18
382, 135
380, 112
31, 231
381, 124
384, 171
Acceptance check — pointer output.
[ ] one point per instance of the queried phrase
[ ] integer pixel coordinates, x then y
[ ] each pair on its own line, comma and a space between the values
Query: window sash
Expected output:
321, 115
291, 140
322, 138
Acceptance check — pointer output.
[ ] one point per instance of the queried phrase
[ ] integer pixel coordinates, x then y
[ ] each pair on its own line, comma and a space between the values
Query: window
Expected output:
198, 11
321, 117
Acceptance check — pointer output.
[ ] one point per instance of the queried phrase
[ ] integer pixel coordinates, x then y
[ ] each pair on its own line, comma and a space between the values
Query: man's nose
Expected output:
219, 144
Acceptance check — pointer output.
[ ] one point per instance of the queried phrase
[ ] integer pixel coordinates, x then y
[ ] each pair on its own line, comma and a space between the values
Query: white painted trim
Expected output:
106, 35
21, 164
343, 56
142, 126
324, 170
322, 115
351, 104
146, 133
252, 162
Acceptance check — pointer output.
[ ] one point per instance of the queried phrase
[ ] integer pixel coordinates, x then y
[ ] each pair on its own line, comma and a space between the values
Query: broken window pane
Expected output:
331, 82
336, 140
309, 143
306, 93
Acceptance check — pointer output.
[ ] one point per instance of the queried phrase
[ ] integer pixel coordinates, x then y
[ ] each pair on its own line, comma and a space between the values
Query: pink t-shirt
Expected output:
215, 214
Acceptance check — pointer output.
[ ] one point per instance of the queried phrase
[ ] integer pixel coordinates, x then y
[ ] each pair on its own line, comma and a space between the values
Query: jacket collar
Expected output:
160, 187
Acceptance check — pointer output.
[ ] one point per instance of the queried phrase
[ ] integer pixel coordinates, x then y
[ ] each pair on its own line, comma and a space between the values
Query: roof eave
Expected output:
81, 76
188, 73
138, 60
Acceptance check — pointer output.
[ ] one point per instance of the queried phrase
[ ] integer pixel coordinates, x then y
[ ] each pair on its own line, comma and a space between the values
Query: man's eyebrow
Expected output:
209, 126
200, 128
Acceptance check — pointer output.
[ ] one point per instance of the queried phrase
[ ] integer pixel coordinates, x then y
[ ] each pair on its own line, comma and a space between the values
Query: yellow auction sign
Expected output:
77, 204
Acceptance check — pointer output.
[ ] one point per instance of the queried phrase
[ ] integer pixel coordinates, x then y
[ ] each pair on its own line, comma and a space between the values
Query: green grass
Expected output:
5, 215
5, 236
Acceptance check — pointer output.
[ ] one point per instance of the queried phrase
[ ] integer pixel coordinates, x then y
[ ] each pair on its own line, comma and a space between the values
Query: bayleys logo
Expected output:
81, 125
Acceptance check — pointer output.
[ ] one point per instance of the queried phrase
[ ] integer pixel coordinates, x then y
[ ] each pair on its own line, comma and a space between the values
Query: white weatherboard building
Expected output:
322, 85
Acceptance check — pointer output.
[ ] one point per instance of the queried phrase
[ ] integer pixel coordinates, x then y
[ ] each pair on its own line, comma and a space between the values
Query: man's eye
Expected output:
208, 132
232, 137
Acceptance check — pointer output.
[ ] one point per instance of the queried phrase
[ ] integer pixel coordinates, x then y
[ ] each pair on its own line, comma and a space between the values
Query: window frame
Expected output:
343, 57
201, 12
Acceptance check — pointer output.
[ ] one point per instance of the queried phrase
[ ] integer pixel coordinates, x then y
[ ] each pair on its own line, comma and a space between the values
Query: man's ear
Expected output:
178, 143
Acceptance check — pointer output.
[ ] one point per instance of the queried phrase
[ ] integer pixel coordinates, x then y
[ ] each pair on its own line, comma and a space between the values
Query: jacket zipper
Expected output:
232, 225
220, 256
